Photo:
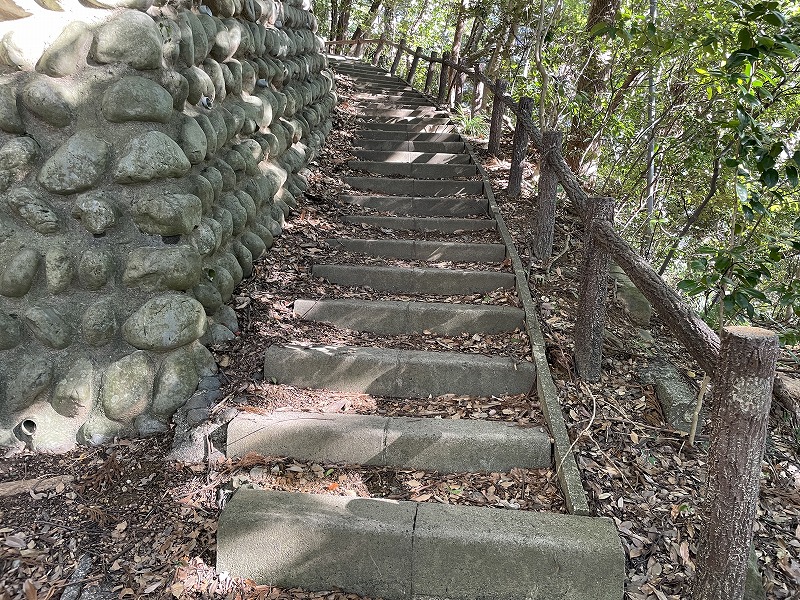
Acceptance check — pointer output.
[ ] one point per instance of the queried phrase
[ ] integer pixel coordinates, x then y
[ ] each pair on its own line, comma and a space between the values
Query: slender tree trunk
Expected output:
366, 25
592, 82
455, 52
334, 19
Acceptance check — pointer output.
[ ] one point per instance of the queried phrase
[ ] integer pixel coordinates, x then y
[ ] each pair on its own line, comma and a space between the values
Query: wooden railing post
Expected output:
496, 127
477, 94
742, 393
359, 52
414, 64
398, 56
591, 317
429, 75
376, 59
520, 150
444, 78
546, 205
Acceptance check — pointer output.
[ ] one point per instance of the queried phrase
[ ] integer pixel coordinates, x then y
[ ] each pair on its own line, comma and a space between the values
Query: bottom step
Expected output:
417, 551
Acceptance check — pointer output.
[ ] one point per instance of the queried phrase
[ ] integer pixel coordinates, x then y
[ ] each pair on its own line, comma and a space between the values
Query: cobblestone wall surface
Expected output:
149, 153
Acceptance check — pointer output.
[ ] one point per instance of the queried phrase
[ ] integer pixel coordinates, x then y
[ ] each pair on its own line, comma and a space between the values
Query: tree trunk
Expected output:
334, 19
520, 150
496, 127
365, 26
742, 390
455, 52
591, 318
592, 82
546, 205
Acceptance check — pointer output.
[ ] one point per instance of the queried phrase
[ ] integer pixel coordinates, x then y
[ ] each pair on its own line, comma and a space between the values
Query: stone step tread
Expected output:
416, 187
405, 136
427, 250
404, 113
394, 317
373, 121
396, 373
417, 551
444, 445
424, 224
404, 156
421, 127
409, 146
415, 280
430, 207
417, 170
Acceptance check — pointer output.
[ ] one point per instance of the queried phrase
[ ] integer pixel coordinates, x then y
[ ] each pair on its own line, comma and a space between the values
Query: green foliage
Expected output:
477, 126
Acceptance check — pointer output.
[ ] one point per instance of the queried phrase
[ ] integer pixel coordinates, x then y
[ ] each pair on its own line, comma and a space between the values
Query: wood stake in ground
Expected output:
742, 392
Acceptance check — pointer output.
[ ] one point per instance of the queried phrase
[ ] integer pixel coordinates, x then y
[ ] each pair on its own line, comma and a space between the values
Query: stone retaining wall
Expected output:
148, 155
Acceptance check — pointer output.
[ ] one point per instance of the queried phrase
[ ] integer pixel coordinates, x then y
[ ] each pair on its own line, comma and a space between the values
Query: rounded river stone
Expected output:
158, 269
165, 323
10, 121
73, 396
49, 326
67, 54
95, 268
32, 379
77, 165
168, 214
152, 155
99, 323
19, 273
96, 211
193, 141
132, 38
34, 210
44, 98
128, 387
10, 331
59, 269
176, 380
135, 98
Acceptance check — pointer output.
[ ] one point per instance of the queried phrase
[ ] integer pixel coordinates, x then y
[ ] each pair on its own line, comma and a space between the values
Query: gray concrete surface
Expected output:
424, 224
409, 127
444, 445
394, 317
428, 158
415, 187
424, 207
417, 170
409, 146
318, 542
417, 280
423, 250
403, 136
396, 373
425, 551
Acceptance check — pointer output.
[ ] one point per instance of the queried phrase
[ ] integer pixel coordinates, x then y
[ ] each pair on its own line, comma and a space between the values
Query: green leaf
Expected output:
775, 18
791, 175
770, 177
741, 192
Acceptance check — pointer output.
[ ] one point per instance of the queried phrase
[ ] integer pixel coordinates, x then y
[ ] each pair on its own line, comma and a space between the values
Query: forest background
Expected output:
688, 114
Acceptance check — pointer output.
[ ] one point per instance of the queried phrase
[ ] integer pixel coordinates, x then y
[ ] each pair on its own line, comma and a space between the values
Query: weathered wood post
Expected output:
359, 50
444, 78
546, 206
376, 59
477, 95
590, 321
414, 64
742, 392
496, 127
520, 149
401, 46
429, 75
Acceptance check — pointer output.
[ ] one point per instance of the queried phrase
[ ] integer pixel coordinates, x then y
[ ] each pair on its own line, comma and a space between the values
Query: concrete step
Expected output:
396, 373
380, 104
428, 158
381, 86
373, 120
415, 146
404, 98
406, 113
423, 250
415, 187
420, 127
424, 224
444, 445
417, 551
397, 318
404, 136
415, 280
415, 170
430, 207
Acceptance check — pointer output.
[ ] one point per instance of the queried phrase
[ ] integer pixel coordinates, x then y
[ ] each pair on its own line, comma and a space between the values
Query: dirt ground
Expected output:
126, 523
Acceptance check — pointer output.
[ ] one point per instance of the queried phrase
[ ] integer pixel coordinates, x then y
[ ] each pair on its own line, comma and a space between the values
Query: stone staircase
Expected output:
423, 179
